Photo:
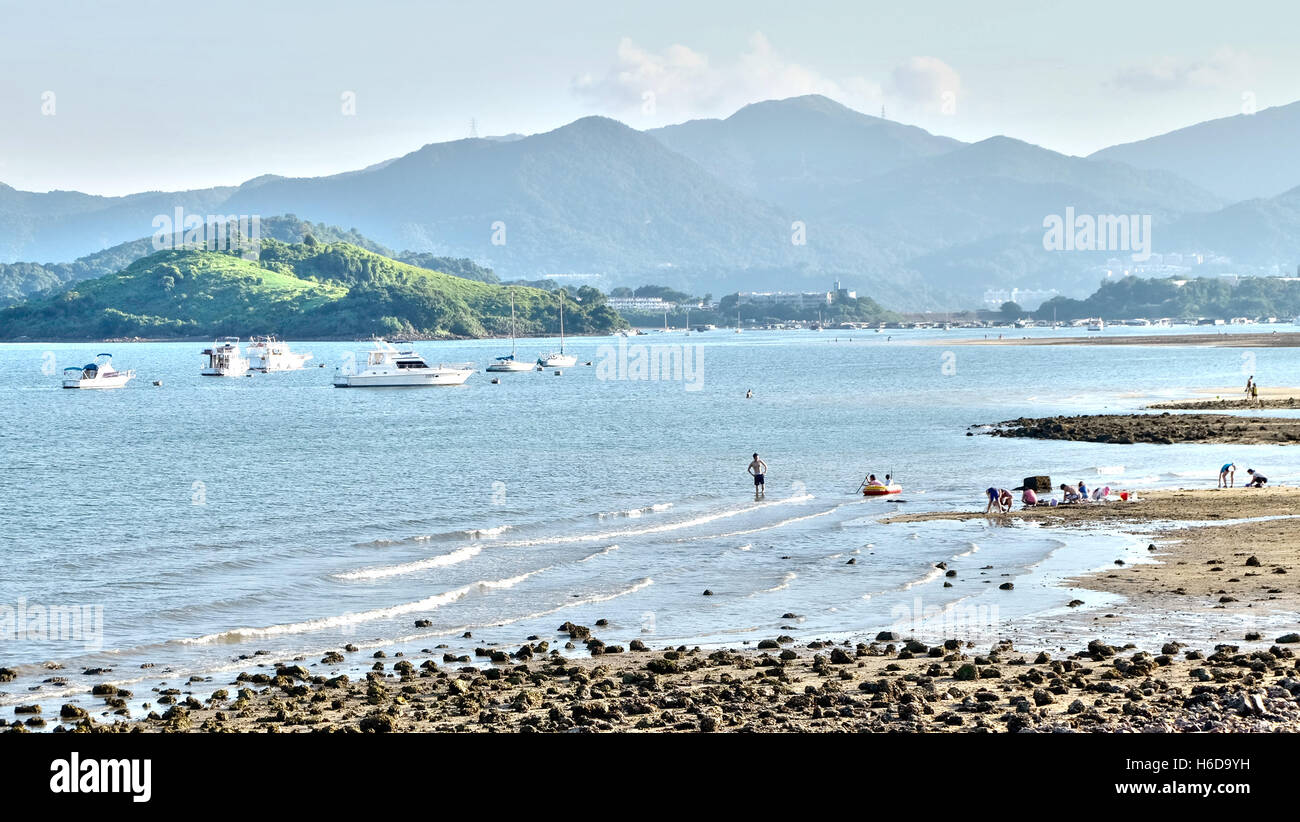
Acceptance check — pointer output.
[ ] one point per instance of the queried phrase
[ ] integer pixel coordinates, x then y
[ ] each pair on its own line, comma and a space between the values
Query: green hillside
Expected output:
1177, 298
301, 290
20, 281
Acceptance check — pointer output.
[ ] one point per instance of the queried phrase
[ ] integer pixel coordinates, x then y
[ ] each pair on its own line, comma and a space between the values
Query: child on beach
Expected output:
1068, 494
1029, 498
1257, 480
999, 498
1226, 474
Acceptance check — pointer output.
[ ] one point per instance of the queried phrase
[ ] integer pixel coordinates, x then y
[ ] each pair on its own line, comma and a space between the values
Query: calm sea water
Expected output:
212, 518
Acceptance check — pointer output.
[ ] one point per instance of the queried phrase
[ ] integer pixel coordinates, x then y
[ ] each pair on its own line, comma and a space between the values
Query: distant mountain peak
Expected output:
1239, 157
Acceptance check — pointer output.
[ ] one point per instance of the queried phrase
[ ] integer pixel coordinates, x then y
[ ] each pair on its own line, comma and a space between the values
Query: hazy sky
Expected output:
113, 97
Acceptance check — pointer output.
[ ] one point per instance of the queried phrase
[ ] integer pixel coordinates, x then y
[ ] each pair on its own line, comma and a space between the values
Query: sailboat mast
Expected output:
512, 323
561, 322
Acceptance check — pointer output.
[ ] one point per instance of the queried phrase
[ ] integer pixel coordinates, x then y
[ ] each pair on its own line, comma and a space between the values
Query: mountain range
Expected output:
783, 194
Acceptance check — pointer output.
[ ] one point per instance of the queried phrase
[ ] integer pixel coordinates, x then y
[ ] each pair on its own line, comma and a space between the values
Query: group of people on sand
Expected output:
1001, 501
1228, 476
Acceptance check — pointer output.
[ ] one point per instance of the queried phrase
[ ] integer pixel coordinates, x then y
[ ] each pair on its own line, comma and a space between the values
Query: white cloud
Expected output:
680, 82
1225, 68
927, 83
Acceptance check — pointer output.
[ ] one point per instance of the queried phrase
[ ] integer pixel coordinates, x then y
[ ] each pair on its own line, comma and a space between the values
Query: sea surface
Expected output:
205, 519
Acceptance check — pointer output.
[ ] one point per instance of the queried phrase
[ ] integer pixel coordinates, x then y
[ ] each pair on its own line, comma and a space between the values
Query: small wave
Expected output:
786, 579
608, 549
634, 513
379, 543
486, 533
440, 561
654, 529
345, 620
933, 574
780, 524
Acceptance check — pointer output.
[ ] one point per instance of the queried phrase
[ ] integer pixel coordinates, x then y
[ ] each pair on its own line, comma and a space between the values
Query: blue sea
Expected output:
207, 519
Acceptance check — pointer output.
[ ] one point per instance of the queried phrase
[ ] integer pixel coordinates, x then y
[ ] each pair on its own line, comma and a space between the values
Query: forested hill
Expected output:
307, 290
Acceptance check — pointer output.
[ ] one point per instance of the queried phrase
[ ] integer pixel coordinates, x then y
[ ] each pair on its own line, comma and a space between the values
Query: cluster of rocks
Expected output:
1163, 428
890, 684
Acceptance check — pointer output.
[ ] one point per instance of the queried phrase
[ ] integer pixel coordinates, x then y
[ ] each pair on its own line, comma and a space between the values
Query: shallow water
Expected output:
214, 517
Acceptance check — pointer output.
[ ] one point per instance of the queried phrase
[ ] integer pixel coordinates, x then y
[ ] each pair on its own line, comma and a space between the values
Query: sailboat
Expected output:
509, 362
558, 359
738, 328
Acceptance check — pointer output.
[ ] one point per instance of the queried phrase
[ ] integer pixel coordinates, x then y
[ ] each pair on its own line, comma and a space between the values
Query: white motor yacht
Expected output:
225, 359
390, 367
268, 355
97, 374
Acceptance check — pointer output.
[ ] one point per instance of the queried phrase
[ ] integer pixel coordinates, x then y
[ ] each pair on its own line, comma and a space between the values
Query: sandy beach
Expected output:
1252, 562
1234, 399
575, 681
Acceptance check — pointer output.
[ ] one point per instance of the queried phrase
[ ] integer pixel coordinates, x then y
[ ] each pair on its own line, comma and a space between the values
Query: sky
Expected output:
119, 97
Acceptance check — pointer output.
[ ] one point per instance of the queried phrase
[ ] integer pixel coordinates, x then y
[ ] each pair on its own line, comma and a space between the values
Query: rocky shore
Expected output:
1164, 428
890, 684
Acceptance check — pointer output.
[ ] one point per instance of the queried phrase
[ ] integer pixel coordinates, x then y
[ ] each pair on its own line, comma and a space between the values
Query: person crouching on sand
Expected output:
1257, 480
999, 498
1226, 475
1029, 498
1068, 494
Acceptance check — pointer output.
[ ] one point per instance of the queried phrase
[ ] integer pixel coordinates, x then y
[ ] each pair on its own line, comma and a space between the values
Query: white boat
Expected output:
97, 374
1099, 325
509, 363
390, 367
225, 359
558, 359
268, 355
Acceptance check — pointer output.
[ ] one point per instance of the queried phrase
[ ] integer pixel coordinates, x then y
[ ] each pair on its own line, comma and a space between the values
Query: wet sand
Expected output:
1230, 399
1252, 563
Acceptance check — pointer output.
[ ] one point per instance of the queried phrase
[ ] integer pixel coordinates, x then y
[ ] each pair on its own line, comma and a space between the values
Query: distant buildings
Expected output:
643, 304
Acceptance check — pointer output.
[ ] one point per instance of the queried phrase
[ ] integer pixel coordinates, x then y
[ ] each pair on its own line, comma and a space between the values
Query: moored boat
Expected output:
225, 359
268, 355
97, 374
390, 367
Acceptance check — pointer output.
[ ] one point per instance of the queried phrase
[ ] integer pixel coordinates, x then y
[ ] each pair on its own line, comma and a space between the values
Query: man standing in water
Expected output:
757, 469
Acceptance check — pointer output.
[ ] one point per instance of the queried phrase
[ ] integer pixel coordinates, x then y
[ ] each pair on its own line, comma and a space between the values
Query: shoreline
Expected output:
1199, 561
891, 682
1275, 339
